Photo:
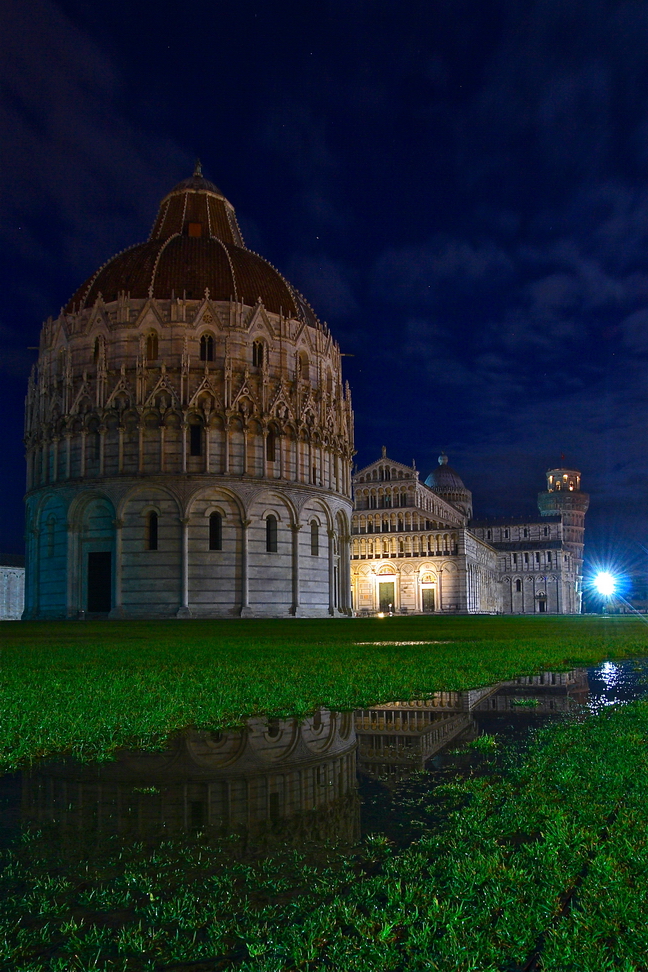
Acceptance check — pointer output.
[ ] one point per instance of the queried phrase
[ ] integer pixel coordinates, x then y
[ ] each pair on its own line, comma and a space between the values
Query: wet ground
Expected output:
335, 776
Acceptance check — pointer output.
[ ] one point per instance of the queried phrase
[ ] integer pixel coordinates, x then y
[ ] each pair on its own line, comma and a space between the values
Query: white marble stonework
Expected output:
416, 549
188, 384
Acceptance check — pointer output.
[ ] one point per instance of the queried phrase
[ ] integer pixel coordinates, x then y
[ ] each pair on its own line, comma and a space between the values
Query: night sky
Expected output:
459, 187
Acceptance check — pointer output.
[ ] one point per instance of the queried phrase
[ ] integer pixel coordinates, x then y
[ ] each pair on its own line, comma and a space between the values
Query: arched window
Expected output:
304, 365
314, 538
518, 585
98, 345
152, 347
152, 531
207, 347
195, 440
215, 531
271, 446
257, 353
271, 533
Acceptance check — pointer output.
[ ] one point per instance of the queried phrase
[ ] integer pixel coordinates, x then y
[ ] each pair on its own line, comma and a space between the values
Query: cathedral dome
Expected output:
444, 478
189, 436
445, 481
195, 246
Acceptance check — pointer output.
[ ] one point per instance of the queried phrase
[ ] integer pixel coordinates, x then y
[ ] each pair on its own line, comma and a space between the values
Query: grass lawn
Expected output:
540, 865
90, 687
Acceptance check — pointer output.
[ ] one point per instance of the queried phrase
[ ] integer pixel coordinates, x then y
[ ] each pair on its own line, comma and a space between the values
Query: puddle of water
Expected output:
285, 783
381, 644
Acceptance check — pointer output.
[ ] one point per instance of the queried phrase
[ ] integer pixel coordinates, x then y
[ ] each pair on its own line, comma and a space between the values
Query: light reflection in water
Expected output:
292, 781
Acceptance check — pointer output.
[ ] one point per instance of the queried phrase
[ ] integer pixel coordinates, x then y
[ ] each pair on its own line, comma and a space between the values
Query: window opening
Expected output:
207, 347
152, 347
215, 531
152, 531
195, 440
271, 534
314, 538
271, 446
257, 353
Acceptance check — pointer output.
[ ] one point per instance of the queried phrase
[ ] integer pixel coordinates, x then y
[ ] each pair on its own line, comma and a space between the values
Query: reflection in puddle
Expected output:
220, 829
294, 782
278, 780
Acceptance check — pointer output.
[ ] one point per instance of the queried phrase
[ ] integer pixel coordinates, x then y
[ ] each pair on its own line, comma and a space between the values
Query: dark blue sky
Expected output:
460, 188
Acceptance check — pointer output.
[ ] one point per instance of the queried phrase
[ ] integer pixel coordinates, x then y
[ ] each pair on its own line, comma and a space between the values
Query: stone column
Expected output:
183, 611
73, 586
440, 607
245, 587
245, 450
331, 558
226, 450
280, 443
35, 571
295, 527
162, 447
102, 449
207, 447
140, 448
184, 428
56, 459
264, 446
117, 609
84, 436
44, 462
345, 576
120, 460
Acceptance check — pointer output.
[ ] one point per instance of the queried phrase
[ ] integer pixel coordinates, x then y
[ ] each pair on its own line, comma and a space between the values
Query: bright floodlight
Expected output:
605, 583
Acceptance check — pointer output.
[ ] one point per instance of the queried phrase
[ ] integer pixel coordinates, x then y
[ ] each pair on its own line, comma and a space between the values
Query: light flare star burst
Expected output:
605, 583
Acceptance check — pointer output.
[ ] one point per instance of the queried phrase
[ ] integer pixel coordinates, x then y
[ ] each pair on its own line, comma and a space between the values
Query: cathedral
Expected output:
416, 547
189, 444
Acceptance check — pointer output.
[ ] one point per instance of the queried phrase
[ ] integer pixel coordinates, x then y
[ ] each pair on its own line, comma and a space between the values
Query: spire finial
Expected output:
198, 168
443, 459
384, 452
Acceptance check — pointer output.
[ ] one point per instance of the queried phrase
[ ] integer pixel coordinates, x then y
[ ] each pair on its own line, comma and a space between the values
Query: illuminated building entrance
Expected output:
386, 596
428, 599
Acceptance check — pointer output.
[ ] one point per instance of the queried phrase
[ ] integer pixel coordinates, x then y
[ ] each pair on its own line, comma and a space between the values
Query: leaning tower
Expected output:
563, 495
188, 434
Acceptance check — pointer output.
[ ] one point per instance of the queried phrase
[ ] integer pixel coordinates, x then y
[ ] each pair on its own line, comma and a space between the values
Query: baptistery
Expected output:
188, 435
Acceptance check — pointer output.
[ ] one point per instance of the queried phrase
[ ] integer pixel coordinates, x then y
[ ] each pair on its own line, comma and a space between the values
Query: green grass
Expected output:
89, 688
546, 857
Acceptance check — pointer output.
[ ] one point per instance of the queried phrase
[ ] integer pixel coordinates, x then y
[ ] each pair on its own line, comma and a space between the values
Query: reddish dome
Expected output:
195, 244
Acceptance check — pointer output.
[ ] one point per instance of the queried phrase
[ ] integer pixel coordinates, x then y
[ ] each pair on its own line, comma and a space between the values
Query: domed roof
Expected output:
445, 479
195, 245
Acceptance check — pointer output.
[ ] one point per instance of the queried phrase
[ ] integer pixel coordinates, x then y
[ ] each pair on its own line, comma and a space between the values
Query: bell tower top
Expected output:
563, 479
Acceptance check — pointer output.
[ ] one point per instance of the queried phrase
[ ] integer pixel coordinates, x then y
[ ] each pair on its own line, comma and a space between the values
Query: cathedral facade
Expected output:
189, 436
416, 547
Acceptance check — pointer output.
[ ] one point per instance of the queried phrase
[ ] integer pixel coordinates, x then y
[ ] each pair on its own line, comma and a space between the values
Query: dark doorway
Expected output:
99, 582
428, 599
542, 606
